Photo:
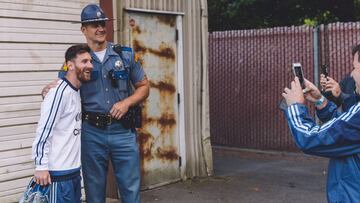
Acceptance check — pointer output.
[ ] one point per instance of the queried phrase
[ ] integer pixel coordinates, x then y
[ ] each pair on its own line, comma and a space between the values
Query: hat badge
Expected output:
98, 14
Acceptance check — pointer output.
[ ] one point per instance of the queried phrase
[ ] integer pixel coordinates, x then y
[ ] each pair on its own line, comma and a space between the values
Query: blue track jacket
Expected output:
338, 139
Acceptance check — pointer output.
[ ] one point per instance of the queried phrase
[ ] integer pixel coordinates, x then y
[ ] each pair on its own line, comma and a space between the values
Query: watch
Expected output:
320, 101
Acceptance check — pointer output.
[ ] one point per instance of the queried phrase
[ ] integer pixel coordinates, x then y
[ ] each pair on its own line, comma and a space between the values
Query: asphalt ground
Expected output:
249, 176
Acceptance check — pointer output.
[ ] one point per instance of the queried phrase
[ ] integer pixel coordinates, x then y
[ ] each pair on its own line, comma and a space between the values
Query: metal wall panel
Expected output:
33, 38
248, 70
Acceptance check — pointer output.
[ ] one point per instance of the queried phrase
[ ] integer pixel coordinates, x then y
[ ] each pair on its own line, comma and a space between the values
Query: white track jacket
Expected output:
57, 144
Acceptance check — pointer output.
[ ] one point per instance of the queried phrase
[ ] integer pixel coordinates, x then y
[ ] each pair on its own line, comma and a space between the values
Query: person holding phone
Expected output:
338, 138
345, 94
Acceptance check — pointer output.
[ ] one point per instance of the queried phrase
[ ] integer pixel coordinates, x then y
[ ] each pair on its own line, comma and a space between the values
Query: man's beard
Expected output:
82, 75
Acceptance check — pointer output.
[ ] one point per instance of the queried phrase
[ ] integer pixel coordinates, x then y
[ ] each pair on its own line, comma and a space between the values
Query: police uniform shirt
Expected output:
98, 94
57, 144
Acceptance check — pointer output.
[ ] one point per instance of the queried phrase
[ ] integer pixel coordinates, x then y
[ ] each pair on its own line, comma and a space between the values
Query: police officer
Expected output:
106, 98
101, 98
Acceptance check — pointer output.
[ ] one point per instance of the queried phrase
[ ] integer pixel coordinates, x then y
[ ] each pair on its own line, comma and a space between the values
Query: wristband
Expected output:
320, 101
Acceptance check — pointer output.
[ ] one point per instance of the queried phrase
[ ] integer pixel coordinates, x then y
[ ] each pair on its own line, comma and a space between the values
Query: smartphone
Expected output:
324, 70
298, 72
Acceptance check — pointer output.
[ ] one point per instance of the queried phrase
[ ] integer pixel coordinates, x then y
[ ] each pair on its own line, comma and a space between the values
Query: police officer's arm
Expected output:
47, 88
140, 94
53, 84
142, 89
338, 137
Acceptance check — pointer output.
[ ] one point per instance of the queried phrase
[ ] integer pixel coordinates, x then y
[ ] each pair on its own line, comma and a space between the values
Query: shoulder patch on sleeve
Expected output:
126, 49
138, 58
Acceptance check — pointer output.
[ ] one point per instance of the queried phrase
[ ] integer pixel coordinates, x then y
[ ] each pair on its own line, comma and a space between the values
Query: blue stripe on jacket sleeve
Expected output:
51, 117
331, 139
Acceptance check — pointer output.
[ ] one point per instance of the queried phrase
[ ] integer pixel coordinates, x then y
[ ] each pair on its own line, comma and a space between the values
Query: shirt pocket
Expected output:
122, 78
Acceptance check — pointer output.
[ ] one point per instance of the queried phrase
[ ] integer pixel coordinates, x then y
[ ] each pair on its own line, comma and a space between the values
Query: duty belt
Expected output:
99, 120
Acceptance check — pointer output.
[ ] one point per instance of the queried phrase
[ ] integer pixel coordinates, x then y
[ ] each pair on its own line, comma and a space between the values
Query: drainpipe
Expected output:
316, 56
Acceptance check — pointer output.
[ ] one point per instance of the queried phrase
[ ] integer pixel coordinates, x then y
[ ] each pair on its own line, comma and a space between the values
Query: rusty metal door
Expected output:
154, 40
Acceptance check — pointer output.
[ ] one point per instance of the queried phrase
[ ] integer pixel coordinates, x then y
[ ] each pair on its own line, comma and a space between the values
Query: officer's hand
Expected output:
119, 109
312, 93
42, 177
333, 86
323, 81
294, 94
46, 89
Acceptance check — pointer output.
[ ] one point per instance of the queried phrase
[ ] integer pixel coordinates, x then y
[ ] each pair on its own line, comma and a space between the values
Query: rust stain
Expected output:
144, 115
167, 120
163, 51
146, 144
136, 29
166, 123
167, 20
167, 153
163, 86
139, 47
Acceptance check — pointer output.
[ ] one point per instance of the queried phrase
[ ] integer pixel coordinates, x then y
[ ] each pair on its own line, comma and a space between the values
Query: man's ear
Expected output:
70, 65
83, 28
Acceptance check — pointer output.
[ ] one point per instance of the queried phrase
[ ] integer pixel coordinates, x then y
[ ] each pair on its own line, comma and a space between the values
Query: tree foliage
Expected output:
249, 14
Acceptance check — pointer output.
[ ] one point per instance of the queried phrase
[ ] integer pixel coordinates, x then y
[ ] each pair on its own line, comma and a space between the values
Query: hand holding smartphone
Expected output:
298, 72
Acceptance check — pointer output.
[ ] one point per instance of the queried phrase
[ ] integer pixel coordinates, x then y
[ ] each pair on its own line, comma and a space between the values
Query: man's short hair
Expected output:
355, 49
74, 50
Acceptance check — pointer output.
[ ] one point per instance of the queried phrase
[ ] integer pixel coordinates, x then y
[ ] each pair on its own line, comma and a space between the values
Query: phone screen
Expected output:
299, 73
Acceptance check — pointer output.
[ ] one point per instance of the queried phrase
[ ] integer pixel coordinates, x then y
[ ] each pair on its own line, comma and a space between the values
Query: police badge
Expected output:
118, 64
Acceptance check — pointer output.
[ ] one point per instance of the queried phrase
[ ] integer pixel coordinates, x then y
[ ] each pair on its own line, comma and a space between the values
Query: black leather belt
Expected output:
99, 120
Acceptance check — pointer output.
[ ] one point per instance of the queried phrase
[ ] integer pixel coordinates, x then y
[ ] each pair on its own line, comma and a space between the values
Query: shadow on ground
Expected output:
251, 176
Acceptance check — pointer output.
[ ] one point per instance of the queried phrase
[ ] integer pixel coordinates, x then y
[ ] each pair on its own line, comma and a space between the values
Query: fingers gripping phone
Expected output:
298, 72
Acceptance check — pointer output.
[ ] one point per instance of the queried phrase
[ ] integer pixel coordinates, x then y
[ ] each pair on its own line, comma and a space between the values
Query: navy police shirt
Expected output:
101, 93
